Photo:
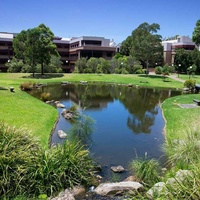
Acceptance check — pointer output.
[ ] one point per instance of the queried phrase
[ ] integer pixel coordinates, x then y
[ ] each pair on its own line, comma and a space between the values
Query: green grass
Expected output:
15, 79
19, 109
180, 119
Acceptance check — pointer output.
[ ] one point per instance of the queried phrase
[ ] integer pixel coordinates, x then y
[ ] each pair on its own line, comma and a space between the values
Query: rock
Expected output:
113, 188
182, 175
83, 82
117, 169
158, 188
130, 85
60, 105
64, 195
131, 178
68, 116
11, 89
78, 192
62, 134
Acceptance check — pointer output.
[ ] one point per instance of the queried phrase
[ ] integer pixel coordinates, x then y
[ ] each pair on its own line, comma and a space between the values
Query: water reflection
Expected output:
128, 120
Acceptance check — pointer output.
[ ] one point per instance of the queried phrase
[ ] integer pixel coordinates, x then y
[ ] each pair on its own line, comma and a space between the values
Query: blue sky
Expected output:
113, 19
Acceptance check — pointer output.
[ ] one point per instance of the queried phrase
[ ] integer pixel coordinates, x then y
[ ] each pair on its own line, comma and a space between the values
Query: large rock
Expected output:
157, 189
117, 169
60, 105
62, 134
78, 192
113, 188
65, 195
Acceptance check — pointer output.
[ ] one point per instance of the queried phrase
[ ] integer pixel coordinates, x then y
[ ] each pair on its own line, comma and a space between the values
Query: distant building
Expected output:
169, 47
70, 49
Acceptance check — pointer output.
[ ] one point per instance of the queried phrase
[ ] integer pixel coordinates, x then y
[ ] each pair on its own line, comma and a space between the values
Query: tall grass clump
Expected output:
29, 170
184, 152
27, 86
146, 170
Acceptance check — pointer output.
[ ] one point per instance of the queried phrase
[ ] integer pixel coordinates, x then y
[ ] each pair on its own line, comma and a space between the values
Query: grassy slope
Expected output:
180, 119
22, 110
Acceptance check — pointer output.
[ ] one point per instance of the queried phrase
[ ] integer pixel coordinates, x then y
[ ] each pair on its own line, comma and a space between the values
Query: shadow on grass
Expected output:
3, 88
164, 79
44, 76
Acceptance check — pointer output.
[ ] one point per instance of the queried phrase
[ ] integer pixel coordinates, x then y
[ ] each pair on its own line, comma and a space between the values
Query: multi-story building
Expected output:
70, 49
169, 47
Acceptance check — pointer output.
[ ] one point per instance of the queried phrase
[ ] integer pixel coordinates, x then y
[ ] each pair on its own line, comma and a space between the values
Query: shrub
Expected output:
158, 70
190, 84
26, 169
27, 86
45, 96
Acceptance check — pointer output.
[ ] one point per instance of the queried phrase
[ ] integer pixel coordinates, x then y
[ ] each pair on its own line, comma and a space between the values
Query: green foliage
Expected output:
196, 33
190, 84
158, 70
14, 65
29, 170
35, 46
80, 65
184, 152
144, 44
146, 170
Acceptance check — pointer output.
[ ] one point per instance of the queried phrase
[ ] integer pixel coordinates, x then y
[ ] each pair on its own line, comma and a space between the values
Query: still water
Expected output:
128, 120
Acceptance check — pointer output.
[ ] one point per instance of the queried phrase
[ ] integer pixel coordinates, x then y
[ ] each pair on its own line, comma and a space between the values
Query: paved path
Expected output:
171, 76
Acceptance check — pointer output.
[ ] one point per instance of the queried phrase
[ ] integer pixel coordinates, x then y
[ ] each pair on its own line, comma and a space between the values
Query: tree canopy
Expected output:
35, 46
196, 33
144, 44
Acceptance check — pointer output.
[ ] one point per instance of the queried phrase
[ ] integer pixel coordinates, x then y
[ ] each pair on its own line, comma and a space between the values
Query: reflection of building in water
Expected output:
90, 103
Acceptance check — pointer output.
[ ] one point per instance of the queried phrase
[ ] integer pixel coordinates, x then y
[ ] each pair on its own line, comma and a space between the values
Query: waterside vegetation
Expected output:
19, 109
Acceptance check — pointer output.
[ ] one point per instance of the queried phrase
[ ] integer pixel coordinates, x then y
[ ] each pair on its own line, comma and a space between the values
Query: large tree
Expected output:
35, 46
144, 44
196, 33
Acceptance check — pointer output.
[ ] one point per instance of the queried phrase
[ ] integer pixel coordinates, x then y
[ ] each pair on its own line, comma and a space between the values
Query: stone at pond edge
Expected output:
117, 169
62, 134
113, 188
78, 192
157, 189
64, 195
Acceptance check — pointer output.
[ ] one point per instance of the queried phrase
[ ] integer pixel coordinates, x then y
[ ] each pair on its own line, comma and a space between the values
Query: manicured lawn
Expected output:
23, 111
7, 79
180, 120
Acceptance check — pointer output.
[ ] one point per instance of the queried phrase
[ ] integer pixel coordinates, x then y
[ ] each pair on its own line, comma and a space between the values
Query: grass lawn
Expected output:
180, 120
22, 110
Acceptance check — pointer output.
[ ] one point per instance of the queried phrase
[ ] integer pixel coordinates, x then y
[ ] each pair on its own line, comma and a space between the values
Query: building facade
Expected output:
70, 49
170, 46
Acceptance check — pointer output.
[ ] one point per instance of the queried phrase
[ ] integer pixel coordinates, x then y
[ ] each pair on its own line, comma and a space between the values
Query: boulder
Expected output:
68, 116
62, 134
78, 192
113, 188
158, 188
117, 169
64, 195
60, 105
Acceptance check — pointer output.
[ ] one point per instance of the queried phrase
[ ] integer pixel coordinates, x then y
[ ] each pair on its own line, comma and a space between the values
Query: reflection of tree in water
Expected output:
141, 103
141, 124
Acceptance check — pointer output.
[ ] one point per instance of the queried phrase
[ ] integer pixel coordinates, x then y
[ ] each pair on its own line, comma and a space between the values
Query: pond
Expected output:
128, 120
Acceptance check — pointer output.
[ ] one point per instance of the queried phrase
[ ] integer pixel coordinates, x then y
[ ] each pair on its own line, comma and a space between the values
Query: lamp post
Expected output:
189, 71
179, 65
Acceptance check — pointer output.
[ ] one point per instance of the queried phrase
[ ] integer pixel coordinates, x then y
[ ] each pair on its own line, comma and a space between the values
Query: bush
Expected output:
190, 84
45, 96
27, 86
27, 169
158, 70
146, 170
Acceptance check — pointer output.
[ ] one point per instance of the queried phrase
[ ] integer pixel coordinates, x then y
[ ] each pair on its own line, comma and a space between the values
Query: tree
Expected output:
80, 65
35, 46
126, 46
196, 33
146, 44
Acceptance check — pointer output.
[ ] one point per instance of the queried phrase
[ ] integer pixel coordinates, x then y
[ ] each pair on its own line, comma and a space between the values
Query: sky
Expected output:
112, 19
